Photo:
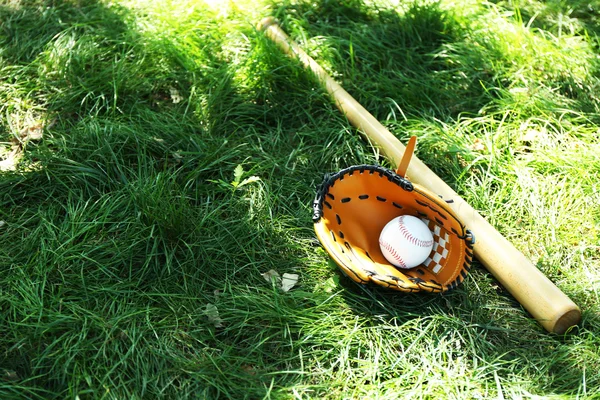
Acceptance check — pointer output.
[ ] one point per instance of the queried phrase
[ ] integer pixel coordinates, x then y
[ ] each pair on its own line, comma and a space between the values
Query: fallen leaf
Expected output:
288, 281
2, 223
33, 129
175, 96
532, 135
10, 158
285, 283
212, 312
477, 145
11, 376
33, 132
249, 369
270, 275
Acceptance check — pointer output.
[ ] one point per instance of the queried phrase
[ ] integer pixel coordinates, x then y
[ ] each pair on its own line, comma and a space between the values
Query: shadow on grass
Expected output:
123, 239
403, 52
426, 61
138, 296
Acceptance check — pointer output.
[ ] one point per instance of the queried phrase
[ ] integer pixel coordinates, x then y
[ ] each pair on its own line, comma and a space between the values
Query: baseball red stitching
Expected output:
393, 253
410, 237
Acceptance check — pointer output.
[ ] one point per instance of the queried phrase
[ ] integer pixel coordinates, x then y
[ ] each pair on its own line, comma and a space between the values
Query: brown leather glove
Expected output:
353, 205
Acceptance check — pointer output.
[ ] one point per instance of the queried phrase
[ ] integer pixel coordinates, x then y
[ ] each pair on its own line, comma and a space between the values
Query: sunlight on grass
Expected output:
169, 155
25, 122
535, 54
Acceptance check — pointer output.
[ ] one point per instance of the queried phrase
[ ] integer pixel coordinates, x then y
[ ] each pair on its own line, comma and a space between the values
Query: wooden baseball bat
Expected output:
538, 295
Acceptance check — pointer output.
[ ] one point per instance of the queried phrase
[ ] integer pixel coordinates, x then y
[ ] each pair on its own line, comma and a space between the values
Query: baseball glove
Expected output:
353, 205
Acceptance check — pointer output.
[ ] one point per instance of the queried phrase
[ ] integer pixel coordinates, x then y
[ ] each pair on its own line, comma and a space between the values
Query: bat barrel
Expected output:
529, 286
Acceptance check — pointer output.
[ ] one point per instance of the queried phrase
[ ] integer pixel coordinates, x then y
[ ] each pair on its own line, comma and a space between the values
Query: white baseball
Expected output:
406, 241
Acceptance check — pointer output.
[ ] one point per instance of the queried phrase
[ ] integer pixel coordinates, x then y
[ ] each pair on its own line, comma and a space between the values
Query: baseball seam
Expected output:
406, 233
393, 253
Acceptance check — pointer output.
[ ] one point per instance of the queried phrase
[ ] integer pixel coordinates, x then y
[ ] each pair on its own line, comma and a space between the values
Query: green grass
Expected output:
123, 124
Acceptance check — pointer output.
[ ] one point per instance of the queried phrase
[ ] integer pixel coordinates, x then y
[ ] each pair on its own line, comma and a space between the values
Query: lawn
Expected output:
158, 162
